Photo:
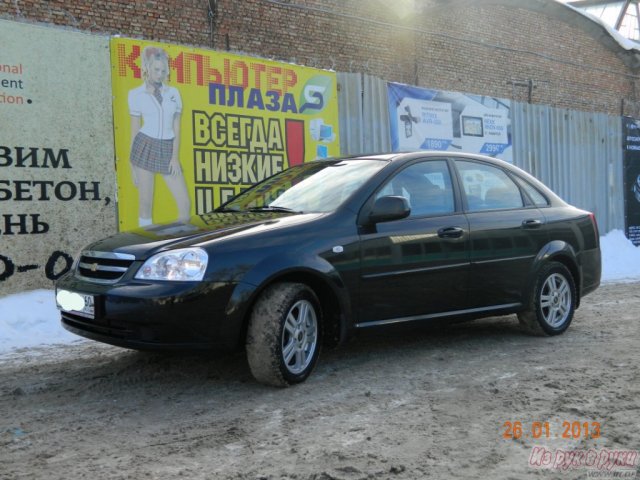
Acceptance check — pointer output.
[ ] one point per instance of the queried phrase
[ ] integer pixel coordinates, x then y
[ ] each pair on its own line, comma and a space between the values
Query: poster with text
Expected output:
631, 179
194, 127
424, 119
57, 177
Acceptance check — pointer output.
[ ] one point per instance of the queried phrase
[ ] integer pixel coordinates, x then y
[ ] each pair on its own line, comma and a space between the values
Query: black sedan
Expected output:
316, 252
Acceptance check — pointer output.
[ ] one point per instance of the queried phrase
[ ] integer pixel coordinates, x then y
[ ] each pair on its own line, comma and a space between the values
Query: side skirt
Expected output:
455, 313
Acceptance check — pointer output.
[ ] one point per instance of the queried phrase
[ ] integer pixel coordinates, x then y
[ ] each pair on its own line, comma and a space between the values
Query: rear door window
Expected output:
487, 187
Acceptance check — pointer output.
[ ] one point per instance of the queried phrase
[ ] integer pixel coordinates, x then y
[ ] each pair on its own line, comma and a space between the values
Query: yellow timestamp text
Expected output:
570, 430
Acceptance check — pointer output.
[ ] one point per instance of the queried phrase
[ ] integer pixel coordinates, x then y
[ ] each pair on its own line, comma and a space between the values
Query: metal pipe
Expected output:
622, 13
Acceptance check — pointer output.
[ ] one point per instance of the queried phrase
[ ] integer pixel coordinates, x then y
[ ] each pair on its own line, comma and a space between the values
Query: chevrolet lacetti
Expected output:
318, 251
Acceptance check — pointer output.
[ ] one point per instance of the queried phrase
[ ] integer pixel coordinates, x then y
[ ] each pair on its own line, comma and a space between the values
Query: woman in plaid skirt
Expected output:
155, 110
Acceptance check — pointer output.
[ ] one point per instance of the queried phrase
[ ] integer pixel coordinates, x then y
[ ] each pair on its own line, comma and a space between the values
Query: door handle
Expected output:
450, 232
531, 223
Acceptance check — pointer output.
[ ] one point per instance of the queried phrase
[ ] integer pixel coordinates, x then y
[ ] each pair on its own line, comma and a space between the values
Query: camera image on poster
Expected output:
425, 125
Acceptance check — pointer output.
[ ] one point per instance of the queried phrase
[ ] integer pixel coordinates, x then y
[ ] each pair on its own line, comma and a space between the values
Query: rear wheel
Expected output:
553, 301
283, 338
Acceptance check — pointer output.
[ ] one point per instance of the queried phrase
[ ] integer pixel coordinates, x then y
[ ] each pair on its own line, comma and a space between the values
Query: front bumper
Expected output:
155, 315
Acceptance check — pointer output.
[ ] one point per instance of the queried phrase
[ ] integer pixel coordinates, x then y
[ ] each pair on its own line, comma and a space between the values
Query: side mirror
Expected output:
389, 208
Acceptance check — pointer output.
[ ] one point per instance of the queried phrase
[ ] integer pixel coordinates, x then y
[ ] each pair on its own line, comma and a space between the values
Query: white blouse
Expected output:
157, 119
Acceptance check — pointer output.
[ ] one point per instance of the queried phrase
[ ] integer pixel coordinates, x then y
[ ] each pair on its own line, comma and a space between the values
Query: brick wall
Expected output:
477, 48
178, 21
568, 67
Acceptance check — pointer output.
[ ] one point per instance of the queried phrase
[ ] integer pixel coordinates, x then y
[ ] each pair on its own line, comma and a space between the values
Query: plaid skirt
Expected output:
152, 154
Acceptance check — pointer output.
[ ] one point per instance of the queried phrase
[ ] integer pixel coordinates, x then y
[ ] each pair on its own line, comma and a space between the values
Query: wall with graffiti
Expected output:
57, 181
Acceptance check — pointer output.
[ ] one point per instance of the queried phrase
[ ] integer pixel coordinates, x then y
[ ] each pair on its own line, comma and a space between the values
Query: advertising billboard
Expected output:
194, 127
57, 179
631, 179
424, 119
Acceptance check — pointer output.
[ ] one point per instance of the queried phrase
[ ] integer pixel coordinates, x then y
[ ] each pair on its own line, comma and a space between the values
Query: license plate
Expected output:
77, 303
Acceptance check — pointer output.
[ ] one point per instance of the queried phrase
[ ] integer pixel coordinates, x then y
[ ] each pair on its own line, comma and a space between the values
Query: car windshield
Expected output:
311, 187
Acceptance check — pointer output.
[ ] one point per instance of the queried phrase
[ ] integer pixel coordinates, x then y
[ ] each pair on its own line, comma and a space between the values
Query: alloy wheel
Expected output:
555, 300
299, 336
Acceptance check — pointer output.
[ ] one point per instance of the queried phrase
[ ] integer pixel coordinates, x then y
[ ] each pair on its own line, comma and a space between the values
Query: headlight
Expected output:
184, 265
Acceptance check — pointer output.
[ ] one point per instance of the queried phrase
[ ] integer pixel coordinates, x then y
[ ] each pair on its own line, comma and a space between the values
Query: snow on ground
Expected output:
620, 258
30, 319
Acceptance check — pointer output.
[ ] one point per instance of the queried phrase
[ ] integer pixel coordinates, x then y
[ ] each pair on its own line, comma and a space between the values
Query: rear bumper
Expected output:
591, 263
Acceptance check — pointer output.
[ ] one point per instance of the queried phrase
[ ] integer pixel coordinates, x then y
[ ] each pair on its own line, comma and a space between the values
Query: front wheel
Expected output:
553, 301
283, 338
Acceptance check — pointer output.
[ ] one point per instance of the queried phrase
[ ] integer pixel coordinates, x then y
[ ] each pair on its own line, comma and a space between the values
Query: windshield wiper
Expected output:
273, 208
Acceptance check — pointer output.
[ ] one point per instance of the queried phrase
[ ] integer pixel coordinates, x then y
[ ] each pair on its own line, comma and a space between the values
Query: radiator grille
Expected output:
103, 267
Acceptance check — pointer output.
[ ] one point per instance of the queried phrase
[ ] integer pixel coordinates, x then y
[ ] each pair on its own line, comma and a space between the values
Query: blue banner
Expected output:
425, 119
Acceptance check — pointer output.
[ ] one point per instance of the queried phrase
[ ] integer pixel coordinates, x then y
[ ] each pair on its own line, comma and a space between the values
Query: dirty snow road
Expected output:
420, 403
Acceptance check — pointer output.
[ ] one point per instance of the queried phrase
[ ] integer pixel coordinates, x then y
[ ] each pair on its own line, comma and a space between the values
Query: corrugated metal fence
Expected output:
364, 114
577, 154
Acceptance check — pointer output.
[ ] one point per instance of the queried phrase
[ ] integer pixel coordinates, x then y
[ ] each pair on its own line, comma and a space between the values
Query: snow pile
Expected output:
31, 319
620, 258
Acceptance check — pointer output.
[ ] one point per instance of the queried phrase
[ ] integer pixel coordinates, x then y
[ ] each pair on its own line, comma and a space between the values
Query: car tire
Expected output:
553, 302
284, 334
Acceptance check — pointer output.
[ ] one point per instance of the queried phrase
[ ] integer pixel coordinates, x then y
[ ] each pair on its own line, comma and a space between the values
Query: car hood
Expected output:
143, 242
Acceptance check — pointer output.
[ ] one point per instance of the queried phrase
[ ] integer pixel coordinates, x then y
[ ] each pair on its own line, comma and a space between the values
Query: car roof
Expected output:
402, 157
407, 156
399, 156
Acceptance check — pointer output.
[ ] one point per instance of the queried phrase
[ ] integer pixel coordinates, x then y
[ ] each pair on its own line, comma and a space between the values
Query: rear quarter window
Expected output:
538, 199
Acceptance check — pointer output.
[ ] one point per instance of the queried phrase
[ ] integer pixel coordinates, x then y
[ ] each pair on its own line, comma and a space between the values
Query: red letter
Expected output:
125, 61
